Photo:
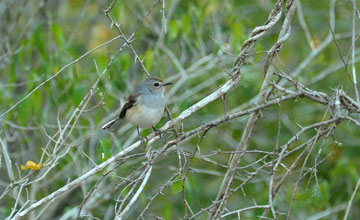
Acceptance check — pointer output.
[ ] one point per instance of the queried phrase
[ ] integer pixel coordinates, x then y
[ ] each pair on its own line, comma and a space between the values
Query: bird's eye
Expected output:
156, 84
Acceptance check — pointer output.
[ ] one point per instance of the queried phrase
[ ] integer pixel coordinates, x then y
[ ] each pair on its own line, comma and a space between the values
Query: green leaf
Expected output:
102, 61
58, 34
186, 24
105, 148
166, 209
39, 40
24, 111
173, 30
125, 62
13, 67
148, 60
36, 100
78, 94
184, 104
176, 187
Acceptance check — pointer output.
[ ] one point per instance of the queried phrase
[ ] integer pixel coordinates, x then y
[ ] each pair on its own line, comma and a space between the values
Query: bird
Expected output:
144, 107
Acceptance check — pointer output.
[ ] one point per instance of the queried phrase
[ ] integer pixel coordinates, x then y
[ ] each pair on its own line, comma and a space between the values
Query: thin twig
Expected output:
351, 199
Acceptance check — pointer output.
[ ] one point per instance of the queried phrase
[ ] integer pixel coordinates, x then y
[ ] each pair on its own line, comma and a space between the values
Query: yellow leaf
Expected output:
32, 165
315, 42
56, 69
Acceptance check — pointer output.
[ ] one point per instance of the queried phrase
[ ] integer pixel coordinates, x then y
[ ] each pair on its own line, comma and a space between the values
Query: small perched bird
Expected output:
145, 107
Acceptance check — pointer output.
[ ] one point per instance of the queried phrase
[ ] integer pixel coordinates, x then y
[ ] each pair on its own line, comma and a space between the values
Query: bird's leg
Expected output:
158, 132
141, 138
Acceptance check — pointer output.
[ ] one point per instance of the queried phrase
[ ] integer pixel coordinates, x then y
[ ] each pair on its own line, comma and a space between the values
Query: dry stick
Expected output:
303, 24
285, 154
271, 192
91, 191
176, 136
171, 118
338, 94
128, 181
168, 183
91, 217
77, 181
43, 211
353, 120
346, 63
7, 160
214, 123
330, 211
293, 139
127, 40
268, 71
244, 209
258, 32
276, 148
132, 184
135, 197
252, 176
331, 69
322, 46
8, 163
163, 16
314, 53
186, 172
232, 190
16, 201
353, 51
300, 177
314, 168
351, 200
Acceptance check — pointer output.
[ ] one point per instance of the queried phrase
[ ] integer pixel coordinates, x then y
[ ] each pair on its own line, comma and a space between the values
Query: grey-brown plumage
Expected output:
145, 106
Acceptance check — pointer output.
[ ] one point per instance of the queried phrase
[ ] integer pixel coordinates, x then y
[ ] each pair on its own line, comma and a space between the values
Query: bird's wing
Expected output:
129, 104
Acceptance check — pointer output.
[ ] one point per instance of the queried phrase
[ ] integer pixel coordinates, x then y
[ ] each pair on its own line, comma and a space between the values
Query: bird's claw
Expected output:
158, 132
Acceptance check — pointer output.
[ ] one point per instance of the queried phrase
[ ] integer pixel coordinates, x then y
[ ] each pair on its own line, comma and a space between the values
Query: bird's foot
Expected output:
143, 140
158, 132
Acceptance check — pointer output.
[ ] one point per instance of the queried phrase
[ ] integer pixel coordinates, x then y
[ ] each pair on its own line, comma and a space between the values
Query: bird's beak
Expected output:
167, 83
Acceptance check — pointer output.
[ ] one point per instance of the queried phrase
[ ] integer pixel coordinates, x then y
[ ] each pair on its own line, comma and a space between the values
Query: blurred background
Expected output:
194, 44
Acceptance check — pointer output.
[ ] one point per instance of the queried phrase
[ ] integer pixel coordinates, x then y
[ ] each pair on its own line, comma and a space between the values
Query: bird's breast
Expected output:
143, 116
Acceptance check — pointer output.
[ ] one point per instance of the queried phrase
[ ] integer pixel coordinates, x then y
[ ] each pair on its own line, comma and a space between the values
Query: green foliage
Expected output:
24, 112
58, 35
39, 40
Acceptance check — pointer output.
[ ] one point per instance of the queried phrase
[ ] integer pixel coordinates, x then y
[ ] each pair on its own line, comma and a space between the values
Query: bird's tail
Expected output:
111, 124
